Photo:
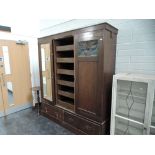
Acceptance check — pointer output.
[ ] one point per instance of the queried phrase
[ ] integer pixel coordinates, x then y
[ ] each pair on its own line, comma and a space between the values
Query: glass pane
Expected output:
10, 93
6, 60
88, 48
125, 127
46, 71
153, 113
152, 131
131, 99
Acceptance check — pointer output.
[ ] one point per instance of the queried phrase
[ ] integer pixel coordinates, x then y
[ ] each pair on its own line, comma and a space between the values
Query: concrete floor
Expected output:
27, 122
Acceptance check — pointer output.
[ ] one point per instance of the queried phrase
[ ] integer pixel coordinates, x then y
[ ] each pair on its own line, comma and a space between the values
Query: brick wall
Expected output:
136, 47
135, 44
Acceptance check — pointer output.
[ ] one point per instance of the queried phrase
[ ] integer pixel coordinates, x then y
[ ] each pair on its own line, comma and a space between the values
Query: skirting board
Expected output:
16, 109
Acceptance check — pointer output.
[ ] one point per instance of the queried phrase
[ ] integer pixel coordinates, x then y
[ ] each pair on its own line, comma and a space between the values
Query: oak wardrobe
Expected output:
76, 69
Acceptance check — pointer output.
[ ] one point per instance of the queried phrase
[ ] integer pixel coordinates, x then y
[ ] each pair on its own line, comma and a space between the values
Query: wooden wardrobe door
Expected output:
89, 74
46, 72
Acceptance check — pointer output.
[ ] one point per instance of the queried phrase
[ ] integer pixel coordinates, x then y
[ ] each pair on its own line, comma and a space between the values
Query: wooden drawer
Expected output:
52, 111
79, 123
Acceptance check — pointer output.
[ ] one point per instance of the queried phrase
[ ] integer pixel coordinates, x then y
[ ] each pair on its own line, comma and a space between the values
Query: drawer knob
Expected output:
87, 127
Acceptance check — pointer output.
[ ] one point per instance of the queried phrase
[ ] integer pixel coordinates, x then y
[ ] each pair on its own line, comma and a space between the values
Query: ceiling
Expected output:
50, 23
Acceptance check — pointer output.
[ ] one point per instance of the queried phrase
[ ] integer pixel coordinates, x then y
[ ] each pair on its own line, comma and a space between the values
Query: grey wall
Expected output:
135, 44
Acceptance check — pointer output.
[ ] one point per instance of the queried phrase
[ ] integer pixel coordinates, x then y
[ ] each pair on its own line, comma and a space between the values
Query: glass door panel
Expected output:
131, 100
10, 94
127, 127
130, 105
153, 113
88, 48
6, 60
152, 129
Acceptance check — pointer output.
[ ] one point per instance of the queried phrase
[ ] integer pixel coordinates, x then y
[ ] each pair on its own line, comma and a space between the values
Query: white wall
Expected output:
135, 44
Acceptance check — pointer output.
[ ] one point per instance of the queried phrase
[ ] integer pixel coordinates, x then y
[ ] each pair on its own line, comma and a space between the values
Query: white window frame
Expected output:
150, 80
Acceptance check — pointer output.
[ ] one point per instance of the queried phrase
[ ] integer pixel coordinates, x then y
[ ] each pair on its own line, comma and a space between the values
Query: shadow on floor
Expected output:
27, 122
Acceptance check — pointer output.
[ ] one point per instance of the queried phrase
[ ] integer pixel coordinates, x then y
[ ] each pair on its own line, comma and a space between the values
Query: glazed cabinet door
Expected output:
89, 63
132, 104
152, 110
46, 72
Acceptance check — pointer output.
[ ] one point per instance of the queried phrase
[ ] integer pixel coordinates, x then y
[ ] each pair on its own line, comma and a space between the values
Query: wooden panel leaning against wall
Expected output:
82, 66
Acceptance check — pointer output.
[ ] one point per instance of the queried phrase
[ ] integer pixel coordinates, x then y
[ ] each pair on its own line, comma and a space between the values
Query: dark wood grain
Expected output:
79, 123
67, 94
81, 103
89, 79
65, 105
65, 83
87, 86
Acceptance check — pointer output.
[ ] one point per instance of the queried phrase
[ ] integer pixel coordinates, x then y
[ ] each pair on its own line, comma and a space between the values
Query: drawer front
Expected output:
82, 124
70, 119
52, 111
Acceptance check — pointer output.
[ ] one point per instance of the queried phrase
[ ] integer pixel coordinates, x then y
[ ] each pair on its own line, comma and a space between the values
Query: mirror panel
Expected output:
46, 71
44, 86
